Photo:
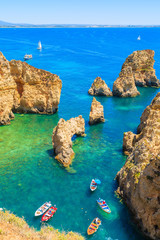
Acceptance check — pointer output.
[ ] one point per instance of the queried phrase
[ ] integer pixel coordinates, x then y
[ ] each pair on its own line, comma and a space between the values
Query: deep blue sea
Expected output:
29, 174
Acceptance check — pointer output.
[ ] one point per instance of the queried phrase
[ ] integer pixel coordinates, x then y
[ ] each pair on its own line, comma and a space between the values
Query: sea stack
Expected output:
96, 114
62, 138
26, 89
139, 178
124, 86
142, 63
99, 88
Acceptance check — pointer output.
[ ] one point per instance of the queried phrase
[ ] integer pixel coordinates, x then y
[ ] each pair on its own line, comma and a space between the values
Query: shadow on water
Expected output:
51, 152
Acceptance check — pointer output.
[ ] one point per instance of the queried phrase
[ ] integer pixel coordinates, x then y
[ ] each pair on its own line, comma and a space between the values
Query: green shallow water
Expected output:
29, 174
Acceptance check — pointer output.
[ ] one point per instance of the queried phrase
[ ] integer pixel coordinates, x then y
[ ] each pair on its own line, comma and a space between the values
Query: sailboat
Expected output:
139, 37
39, 45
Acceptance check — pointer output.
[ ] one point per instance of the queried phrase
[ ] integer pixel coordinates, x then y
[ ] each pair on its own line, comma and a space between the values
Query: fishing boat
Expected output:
93, 227
49, 213
93, 185
27, 56
139, 37
43, 208
103, 205
39, 45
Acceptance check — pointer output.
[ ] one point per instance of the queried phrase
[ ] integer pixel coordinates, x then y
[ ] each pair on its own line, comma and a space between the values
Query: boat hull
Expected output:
93, 227
104, 206
41, 210
93, 185
51, 211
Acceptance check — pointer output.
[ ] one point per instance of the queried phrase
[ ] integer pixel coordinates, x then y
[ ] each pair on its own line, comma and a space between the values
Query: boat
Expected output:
39, 45
103, 205
93, 185
49, 213
43, 208
139, 37
27, 56
93, 227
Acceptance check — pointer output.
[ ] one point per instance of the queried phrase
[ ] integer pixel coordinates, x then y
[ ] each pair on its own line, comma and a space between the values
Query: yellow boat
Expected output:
93, 227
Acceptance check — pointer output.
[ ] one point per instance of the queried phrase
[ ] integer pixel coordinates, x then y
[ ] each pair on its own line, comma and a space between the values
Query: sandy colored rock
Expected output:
26, 89
124, 86
96, 114
62, 138
139, 178
142, 63
99, 88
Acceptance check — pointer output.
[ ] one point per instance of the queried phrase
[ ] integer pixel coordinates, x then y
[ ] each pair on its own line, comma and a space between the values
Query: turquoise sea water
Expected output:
29, 175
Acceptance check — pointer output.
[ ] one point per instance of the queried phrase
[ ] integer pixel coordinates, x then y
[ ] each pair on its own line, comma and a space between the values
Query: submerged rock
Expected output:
139, 178
124, 86
99, 88
26, 89
62, 138
96, 114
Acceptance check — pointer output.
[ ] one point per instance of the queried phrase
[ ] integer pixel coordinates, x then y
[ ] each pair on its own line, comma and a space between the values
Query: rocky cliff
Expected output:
124, 86
137, 70
62, 138
99, 88
96, 114
139, 179
26, 89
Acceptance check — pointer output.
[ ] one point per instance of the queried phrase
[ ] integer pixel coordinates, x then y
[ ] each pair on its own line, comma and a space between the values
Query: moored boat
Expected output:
93, 227
43, 209
49, 213
103, 205
27, 56
93, 185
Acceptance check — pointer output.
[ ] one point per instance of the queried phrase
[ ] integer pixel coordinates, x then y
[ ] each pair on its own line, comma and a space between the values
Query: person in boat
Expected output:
96, 221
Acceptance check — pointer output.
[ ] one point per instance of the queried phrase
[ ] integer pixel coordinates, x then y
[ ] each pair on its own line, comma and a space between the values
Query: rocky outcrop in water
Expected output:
62, 138
142, 63
99, 88
137, 70
96, 114
139, 178
26, 89
124, 86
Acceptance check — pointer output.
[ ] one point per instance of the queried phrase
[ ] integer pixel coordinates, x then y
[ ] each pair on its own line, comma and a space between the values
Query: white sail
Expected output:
139, 38
39, 45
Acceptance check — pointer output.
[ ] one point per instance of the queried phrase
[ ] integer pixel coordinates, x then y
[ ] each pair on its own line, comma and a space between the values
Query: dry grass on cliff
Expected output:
15, 228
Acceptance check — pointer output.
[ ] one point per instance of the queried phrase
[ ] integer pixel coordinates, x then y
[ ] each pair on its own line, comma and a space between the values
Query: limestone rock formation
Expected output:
96, 114
99, 88
139, 178
124, 86
26, 89
62, 138
142, 63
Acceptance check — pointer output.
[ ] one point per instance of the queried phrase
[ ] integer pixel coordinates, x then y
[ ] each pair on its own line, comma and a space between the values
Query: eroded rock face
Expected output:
26, 89
124, 86
142, 63
62, 138
139, 178
99, 88
96, 114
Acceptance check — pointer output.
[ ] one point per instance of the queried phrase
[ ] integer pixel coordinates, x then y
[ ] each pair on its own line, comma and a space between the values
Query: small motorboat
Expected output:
93, 227
49, 213
27, 56
42, 209
103, 205
93, 185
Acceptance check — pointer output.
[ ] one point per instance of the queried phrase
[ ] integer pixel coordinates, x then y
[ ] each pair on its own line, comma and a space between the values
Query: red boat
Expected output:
49, 213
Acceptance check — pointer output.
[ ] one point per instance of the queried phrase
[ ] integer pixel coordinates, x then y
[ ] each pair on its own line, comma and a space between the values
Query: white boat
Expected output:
43, 208
139, 37
27, 56
39, 45
93, 185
